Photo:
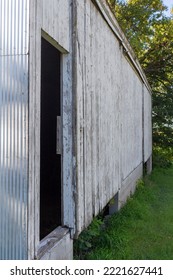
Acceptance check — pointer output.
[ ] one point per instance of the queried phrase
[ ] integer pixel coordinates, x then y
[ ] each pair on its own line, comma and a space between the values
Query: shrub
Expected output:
162, 157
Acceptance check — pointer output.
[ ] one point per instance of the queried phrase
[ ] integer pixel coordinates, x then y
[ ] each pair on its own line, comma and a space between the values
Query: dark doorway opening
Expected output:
50, 161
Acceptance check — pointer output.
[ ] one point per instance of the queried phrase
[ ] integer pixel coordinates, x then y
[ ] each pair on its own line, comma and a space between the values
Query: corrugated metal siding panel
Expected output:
13, 128
14, 27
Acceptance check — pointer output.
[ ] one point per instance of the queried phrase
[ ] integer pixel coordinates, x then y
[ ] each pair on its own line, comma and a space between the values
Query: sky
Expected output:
169, 4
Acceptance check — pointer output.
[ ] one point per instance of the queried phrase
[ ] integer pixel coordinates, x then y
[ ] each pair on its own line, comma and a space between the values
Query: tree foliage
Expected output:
150, 33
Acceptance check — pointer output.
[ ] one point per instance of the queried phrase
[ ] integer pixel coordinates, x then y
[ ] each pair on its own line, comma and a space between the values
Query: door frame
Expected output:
67, 159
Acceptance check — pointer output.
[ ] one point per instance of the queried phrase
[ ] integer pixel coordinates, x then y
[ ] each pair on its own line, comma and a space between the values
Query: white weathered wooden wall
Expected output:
109, 96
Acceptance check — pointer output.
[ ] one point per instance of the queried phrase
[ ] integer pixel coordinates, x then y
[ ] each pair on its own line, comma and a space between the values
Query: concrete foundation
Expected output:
127, 189
129, 185
113, 205
56, 246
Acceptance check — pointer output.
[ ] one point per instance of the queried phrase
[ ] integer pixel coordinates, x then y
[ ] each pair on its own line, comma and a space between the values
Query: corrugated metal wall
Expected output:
14, 25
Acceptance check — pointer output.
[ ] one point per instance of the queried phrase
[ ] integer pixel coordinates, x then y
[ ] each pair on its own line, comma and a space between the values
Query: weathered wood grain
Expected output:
109, 110
103, 127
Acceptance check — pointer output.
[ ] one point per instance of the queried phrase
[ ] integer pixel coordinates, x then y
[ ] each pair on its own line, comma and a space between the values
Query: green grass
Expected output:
142, 230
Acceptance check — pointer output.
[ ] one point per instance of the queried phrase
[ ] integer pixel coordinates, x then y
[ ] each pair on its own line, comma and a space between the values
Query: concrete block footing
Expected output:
56, 246
127, 189
149, 165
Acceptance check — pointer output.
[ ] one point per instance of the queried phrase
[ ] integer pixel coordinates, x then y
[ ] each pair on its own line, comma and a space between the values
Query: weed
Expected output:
87, 238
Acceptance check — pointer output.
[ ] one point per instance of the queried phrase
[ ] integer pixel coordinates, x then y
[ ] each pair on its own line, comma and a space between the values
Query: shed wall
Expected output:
105, 136
14, 35
109, 95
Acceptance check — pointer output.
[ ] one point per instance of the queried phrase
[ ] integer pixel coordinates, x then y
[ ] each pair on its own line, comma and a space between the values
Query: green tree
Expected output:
150, 33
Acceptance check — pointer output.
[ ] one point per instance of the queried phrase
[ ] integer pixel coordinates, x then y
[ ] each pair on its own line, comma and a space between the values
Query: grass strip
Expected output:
141, 230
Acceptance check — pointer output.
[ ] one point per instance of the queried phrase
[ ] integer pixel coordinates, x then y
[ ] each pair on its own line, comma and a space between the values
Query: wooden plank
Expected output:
80, 124
67, 115
32, 162
95, 109
37, 100
87, 116
69, 165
